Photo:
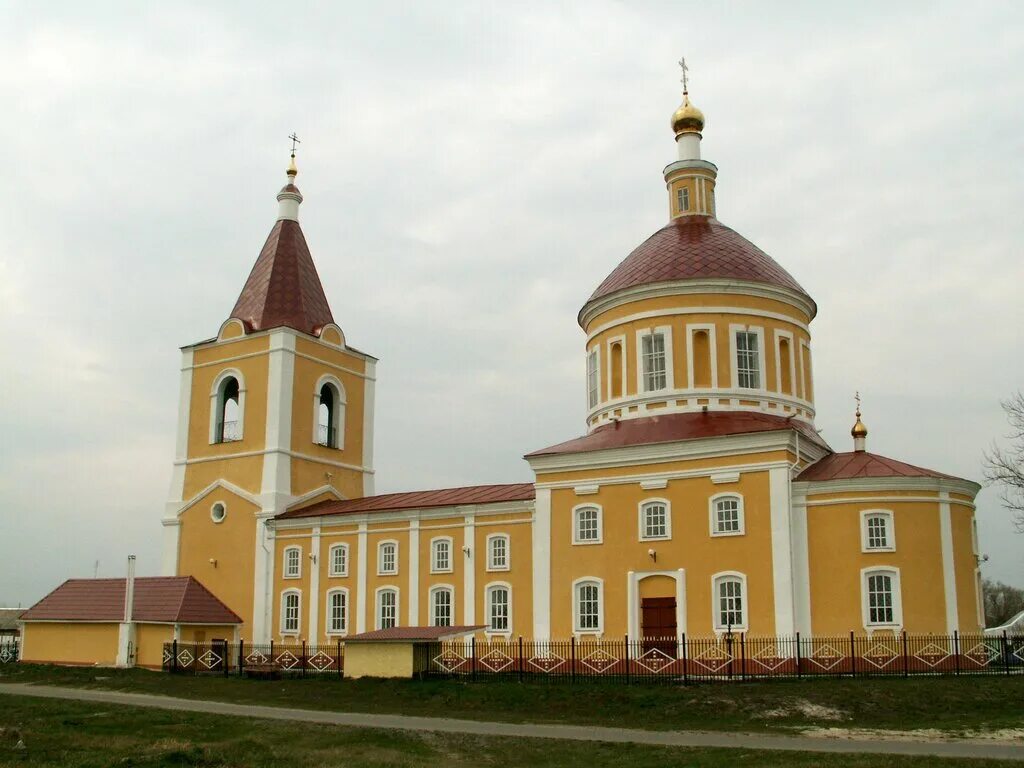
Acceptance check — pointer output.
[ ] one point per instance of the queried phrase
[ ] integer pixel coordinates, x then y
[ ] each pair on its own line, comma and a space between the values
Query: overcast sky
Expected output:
471, 172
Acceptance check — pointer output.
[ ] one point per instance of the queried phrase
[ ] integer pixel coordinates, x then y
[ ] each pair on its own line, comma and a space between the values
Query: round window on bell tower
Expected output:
218, 512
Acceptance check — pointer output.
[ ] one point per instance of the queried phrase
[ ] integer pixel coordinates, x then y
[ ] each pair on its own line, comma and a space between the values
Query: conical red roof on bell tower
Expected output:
284, 288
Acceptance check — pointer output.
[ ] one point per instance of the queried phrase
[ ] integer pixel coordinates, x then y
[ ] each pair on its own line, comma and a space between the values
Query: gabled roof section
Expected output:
284, 288
391, 502
412, 634
678, 426
161, 599
854, 464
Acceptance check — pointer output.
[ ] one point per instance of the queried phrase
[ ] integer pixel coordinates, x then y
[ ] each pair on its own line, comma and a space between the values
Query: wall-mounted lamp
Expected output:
213, 562
466, 551
312, 556
653, 555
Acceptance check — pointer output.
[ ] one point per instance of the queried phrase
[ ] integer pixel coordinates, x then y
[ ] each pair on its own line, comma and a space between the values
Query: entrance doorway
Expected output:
658, 624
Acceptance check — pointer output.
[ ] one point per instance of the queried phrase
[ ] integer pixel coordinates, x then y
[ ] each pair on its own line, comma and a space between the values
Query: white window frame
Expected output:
713, 514
683, 194
380, 557
576, 540
284, 563
576, 628
329, 618
621, 341
378, 593
285, 632
890, 530
806, 372
788, 336
508, 552
641, 384
897, 601
332, 571
641, 509
716, 611
339, 410
488, 603
450, 591
215, 404
691, 331
758, 331
434, 542
594, 393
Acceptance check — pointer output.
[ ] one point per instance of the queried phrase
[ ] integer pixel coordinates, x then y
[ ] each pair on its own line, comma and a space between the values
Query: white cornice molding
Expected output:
714, 286
224, 484
811, 488
205, 343
403, 515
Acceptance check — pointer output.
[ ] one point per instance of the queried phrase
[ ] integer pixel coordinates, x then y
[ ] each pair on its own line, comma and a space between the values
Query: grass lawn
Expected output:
950, 704
67, 733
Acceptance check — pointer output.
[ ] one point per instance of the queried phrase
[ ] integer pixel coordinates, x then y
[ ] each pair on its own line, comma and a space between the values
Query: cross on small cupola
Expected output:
859, 431
292, 170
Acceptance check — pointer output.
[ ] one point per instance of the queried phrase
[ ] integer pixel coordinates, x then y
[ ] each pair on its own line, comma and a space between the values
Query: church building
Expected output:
700, 498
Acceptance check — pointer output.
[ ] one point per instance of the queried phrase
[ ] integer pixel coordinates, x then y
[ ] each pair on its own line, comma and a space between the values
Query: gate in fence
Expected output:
253, 659
731, 656
9, 652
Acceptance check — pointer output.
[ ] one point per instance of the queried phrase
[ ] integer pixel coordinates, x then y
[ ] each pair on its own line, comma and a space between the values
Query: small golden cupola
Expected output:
690, 180
859, 431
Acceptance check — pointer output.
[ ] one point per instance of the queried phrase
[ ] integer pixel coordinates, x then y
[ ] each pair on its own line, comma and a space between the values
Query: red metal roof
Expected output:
843, 466
691, 247
164, 599
678, 426
412, 633
284, 288
475, 494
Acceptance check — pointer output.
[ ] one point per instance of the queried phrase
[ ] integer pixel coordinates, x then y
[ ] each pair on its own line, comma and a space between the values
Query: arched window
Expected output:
339, 560
227, 407
877, 532
387, 558
442, 602
586, 524
337, 611
880, 598
329, 413
655, 520
290, 606
616, 369
593, 378
387, 608
498, 598
498, 555
727, 515
729, 591
587, 608
441, 554
292, 562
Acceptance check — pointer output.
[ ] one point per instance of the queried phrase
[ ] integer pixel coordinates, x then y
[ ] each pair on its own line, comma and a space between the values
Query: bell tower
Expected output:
275, 410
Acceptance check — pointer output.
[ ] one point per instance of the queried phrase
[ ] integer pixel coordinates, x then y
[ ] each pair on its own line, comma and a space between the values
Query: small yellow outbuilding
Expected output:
392, 652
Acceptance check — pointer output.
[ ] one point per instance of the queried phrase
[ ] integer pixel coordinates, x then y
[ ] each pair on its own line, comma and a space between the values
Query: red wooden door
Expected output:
658, 624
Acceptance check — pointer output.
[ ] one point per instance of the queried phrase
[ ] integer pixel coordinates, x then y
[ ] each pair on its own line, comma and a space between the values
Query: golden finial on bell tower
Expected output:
859, 431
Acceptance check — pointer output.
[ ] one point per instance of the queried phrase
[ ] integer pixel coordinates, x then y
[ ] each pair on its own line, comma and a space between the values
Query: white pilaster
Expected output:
125, 644
632, 609
948, 565
314, 586
542, 565
369, 394
181, 442
276, 488
361, 606
263, 579
413, 598
171, 542
782, 549
469, 558
801, 567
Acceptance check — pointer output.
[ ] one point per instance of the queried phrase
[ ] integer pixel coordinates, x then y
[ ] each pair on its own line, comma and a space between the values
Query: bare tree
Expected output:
1005, 465
1002, 602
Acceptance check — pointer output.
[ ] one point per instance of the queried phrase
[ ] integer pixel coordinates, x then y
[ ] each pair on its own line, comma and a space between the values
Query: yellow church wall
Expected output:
329, 537
691, 547
149, 644
429, 530
231, 543
286, 539
397, 531
246, 472
682, 465
70, 643
965, 564
339, 358
519, 576
836, 560
206, 633
307, 475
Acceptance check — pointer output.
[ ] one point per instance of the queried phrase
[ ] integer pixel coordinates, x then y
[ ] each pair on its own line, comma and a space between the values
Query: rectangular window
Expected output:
387, 560
727, 516
339, 560
442, 555
290, 613
683, 198
878, 537
592, 392
653, 357
388, 612
588, 606
497, 618
655, 521
748, 360
337, 611
730, 603
441, 608
587, 526
498, 557
880, 610
292, 563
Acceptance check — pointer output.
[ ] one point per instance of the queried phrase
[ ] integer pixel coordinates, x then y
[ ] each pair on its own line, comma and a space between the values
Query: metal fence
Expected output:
249, 659
729, 657
9, 652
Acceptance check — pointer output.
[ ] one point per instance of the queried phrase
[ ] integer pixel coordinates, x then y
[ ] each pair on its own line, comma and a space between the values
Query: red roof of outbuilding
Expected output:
412, 633
475, 494
678, 426
162, 599
284, 288
692, 247
844, 466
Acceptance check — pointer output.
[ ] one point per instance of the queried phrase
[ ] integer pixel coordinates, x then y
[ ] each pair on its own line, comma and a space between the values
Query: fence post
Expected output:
743, 656
337, 661
626, 657
572, 666
1006, 653
174, 661
302, 663
227, 659
956, 651
853, 656
472, 657
520, 658
906, 656
241, 657
728, 648
799, 673
685, 671
271, 653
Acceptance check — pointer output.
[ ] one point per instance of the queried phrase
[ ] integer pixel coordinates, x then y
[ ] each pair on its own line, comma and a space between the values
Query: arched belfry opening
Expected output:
228, 411
330, 416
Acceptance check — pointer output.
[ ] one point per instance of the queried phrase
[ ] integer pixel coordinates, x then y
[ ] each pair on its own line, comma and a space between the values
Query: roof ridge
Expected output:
184, 594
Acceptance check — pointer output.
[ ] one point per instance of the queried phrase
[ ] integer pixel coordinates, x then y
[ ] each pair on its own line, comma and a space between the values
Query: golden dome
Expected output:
292, 170
687, 119
859, 430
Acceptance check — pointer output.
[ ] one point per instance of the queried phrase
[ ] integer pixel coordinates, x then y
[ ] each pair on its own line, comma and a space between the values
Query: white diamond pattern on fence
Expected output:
547, 663
826, 657
7, 655
880, 655
320, 661
185, 658
287, 660
449, 660
932, 655
713, 659
655, 660
599, 660
769, 658
210, 659
983, 653
496, 661
256, 658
